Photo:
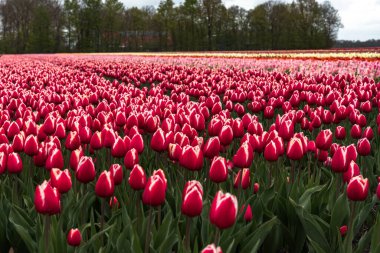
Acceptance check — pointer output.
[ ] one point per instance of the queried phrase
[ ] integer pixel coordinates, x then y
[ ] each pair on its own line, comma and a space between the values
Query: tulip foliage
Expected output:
126, 153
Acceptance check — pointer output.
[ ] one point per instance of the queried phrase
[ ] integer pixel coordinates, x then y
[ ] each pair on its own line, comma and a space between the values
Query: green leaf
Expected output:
169, 242
21, 226
375, 240
339, 214
259, 236
312, 228
304, 200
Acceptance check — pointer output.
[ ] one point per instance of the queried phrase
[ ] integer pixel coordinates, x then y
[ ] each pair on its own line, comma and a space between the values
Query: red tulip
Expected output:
60, 180
47, 199
13, 130
218, 170
49, 125
74, 237
85, 172
31, 145
114, 203
378, 191
3, 162
192, 199
244, 180
85, 135
248, 213
118, 148
75, 157
158, 142
271, 152
137, 178
117, 173
154, 191
212, 147
174, 151
223, 210
295, 150
244, 156
96, 141
357, 188
324, 139
368, 133
339, 161
356, 131
340, 133
54, 160
137, 143
18, 143
256, 188
364, 147
105, 186
131, 158
343, 230
352, 171
191, 158
14, 163
72, 141
211, 248
286, 129
226, 135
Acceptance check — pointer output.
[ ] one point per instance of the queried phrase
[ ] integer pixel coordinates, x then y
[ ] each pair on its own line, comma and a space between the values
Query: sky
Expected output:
361, 18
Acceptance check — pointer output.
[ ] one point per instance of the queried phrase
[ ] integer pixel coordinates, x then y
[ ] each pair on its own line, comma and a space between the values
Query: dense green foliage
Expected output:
44, 26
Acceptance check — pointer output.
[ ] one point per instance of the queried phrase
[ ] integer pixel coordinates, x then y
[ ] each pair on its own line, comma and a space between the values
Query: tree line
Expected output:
47, 26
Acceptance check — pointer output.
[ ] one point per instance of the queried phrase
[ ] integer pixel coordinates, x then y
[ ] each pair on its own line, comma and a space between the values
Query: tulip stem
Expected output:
147, 236
159, 216
187, 239
351, 228
102, 207
217, 235
46, 231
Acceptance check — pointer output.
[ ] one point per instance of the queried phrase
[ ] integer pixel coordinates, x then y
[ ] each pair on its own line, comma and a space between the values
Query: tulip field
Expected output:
215, 152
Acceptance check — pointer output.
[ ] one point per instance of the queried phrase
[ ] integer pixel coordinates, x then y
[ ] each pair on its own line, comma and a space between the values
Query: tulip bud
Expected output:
343, 230
75, 157
256, 188
74, 237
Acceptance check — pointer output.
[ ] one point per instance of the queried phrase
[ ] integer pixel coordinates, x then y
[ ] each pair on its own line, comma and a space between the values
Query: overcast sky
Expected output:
361, 18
